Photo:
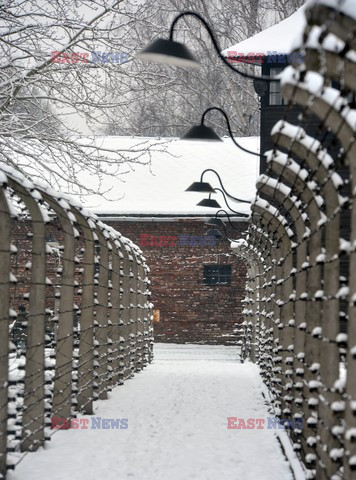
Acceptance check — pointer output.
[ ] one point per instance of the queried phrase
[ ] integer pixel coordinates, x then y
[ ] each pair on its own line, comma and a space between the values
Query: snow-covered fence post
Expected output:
254, 312
249, 320
62, 393
114, 313
33, 404
125, 313
140, 313
265, 246
101, 319
147, 315
255, 320
5, 229
261, 245
133, 284
86, 338
255, 272
269, 219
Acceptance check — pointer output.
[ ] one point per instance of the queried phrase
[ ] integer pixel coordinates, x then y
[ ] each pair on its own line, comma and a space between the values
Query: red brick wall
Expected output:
189, 310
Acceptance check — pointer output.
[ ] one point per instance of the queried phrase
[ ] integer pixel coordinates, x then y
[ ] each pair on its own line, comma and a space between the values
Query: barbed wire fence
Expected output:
300, 252
75, 313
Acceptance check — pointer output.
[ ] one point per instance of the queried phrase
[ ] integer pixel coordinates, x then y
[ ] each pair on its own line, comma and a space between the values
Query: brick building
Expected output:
197, 283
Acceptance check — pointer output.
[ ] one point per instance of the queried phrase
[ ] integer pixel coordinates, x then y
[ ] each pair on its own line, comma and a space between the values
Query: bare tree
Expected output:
162, 100
52, 86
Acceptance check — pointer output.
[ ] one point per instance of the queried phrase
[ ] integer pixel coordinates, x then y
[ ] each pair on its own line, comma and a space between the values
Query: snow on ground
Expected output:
177, 411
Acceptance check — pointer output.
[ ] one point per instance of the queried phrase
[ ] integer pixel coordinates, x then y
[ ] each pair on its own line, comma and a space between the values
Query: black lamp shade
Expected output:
201, 132
217, 222
168, 52
200, 187
213, 232
209, 202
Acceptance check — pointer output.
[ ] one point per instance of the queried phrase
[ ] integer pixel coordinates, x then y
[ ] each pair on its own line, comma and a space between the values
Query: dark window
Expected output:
217, 274
275, 97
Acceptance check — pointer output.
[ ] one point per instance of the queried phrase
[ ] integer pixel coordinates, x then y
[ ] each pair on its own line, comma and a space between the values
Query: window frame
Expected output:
223, 274
275, 88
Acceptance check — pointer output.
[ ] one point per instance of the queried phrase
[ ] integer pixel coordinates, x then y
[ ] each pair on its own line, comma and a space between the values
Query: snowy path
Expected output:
177, 411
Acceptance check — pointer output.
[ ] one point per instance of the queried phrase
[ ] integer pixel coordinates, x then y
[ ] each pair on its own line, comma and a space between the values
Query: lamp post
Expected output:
170, 52
217, 222
214, 232
209, 202
205, 187
212, 203
202, 132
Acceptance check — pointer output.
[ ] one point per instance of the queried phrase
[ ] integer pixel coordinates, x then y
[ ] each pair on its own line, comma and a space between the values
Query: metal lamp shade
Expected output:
201, 132
168, 52
213, 232
209, 202
201, 187
217, 222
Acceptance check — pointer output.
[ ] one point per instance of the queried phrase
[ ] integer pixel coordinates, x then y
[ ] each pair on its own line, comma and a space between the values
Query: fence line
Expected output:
98, 332
301, 256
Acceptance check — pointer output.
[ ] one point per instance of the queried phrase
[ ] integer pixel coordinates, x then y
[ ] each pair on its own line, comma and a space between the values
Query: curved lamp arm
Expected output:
216, 45
227, 236
228, 218
222, 186
218, 109
228, 206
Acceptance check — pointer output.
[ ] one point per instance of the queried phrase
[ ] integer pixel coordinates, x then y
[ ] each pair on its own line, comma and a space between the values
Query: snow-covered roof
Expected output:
277, 38
158, 188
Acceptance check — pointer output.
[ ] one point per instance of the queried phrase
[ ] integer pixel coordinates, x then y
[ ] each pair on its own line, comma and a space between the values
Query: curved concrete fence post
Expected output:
261, 245
33, 423
125, 311
114, 312
62, 392
255, 276
147, 316
86, 343
101, 319
133, 283
140, 314
5, 252
272, 221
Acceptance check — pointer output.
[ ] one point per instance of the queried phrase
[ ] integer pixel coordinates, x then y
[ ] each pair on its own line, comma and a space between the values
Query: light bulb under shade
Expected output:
201, 132
168, 52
